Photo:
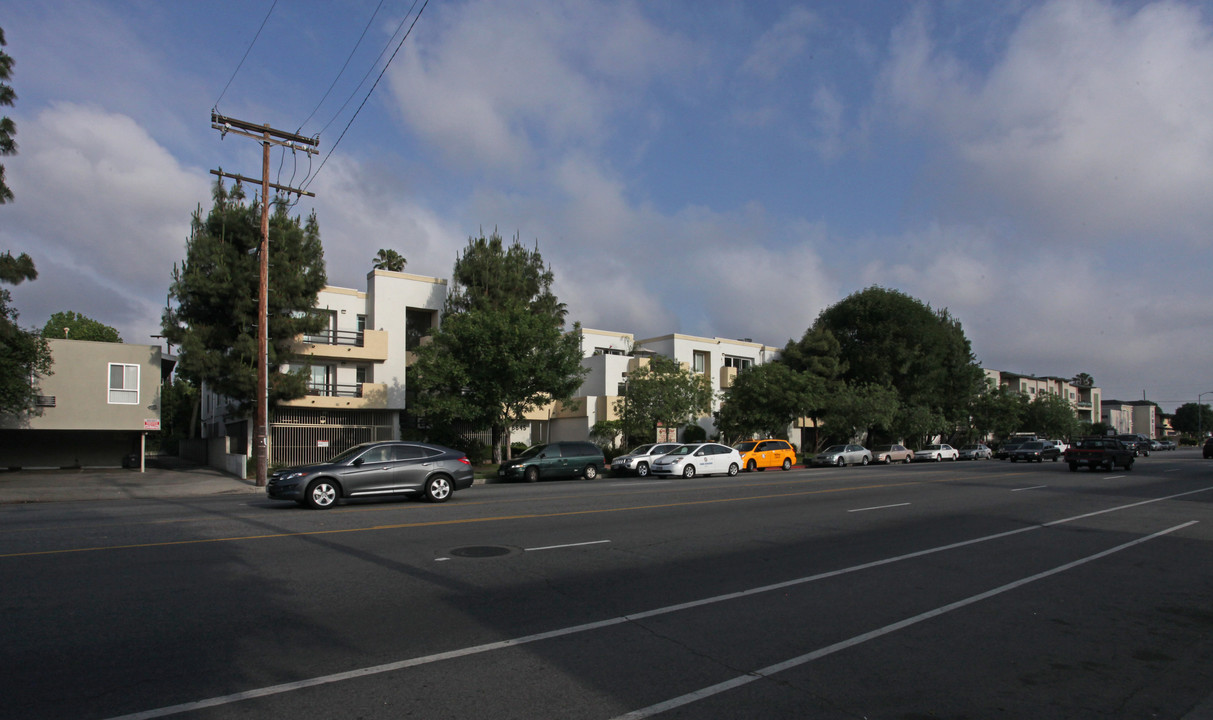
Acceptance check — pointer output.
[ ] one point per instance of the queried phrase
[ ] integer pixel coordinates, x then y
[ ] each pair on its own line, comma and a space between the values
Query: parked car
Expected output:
375, 469
640, 460
1167, 444
762, 454
975, 452
936, 453
842, 455
1208, 451
891, 454
553, 461
1035, 451
1061, 445
698, 459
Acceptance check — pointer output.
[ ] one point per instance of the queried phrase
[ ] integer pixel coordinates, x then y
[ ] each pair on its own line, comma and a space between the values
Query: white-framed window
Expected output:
738, 362
699, 361
123, 384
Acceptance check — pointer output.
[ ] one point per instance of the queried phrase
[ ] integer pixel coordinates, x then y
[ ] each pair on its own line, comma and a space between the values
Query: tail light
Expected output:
464, 459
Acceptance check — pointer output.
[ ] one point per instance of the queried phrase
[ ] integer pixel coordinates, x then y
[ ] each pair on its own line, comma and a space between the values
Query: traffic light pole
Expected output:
267, 136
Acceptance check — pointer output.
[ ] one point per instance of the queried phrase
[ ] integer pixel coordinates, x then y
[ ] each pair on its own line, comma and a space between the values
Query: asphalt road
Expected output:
961, 590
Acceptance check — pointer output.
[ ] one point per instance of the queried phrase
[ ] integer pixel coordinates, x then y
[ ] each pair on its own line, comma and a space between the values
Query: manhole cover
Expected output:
481, 551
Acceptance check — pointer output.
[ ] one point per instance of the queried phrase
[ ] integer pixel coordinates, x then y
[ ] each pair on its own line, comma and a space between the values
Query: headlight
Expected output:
294, 475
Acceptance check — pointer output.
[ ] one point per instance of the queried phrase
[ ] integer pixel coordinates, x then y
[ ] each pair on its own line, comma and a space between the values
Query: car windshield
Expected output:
683, 450
643, 449
882, 448
1032, 446
745, 446
835, 449
969, 447
932, 447
531, 451
349, 454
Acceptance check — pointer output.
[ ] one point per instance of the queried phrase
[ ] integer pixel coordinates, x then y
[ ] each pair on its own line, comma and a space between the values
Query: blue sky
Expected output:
1044, 170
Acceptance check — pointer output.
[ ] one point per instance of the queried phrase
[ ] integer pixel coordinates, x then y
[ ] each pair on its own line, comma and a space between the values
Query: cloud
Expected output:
101, 205
781, 45
1093, 122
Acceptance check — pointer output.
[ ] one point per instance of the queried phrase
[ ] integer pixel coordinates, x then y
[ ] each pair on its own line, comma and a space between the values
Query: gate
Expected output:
302, 436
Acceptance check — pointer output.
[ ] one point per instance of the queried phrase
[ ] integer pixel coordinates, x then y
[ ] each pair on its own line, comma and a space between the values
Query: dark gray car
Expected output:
375, 469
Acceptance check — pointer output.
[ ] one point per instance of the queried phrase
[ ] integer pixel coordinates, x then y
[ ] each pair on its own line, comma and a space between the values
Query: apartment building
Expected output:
356, 366
1084, 399
94, 411
1134, 416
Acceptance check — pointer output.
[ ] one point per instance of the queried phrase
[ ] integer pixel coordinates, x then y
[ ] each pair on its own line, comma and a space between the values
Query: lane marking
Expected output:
572, 630
569, 545
1034, 487
878, 507
770, 670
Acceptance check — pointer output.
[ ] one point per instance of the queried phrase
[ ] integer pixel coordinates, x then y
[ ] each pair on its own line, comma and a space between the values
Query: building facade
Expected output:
94, 411
1086, 400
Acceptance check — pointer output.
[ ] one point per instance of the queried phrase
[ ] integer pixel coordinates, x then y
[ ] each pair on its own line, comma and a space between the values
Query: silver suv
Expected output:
640, 460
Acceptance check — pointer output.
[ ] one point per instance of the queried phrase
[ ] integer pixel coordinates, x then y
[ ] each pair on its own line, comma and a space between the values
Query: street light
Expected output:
1200, 415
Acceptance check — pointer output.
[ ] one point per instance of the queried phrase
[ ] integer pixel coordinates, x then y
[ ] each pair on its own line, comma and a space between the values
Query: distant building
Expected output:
1085, 400
1134, 416
94, 411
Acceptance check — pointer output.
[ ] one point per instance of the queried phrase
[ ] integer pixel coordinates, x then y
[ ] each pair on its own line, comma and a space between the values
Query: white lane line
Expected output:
770, 670
878, 507
1114, 477
1034, 487
555, 547
562, 632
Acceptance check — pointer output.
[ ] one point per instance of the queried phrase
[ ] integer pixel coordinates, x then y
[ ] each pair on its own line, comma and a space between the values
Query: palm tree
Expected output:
1084, 380
390, 260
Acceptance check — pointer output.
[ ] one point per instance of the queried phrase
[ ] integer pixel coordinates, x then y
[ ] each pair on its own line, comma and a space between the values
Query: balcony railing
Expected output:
335, 389
335, 337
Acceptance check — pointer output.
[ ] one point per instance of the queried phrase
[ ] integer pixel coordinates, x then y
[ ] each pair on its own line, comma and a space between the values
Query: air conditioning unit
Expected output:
45, 401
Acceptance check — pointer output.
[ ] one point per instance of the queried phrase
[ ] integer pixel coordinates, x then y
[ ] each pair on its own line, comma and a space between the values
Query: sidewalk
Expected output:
165, 477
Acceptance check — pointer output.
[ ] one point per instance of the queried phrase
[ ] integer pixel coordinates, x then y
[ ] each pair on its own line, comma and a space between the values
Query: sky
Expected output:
1042, 170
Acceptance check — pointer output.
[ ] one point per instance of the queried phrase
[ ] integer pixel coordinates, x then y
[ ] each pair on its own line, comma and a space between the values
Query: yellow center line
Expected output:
465, 521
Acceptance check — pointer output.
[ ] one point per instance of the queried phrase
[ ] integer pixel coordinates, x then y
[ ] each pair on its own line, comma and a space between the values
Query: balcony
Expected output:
727, 376
410, 356
367, 345
354, 396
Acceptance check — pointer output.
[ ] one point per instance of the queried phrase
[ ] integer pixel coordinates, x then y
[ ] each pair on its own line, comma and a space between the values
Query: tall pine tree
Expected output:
214, 321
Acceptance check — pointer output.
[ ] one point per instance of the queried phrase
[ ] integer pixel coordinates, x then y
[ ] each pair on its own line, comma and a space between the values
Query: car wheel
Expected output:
1129, 465
1073, 467
531, 474
642, 470
906, 461
841, 462
688, 471
733, 469
1011, 459
322, 494
438, 489
591, 472
938, 458
863, 460
751, 466
787, 464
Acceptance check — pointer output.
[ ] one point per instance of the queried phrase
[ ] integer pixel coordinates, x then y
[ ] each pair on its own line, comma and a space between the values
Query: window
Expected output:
360, 374
700, 361
124, 384
738, 362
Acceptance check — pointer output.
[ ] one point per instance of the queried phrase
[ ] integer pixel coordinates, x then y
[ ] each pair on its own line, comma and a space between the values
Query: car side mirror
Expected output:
358, 462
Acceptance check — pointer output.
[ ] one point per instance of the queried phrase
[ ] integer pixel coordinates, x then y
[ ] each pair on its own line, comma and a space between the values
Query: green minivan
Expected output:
555, 460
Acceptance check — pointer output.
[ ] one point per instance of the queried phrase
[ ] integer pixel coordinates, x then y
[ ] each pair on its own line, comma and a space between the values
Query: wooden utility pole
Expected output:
267, 136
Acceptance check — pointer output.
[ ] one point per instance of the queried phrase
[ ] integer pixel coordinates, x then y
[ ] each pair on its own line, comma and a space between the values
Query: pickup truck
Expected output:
1099, 452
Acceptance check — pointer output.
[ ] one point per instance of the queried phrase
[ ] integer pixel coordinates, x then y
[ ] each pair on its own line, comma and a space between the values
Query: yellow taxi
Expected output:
762, 454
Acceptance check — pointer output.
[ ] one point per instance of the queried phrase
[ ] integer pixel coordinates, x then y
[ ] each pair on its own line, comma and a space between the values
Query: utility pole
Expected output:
267, 136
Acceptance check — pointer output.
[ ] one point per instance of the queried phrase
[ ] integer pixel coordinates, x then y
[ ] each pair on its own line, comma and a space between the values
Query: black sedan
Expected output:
376, 469
1035, 451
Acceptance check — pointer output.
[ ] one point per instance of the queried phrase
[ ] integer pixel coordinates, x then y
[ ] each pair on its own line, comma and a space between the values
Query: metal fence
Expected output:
335, 337
301, 436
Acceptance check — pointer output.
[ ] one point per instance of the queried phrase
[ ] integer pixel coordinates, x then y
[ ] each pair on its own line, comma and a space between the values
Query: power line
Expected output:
347, 63
246, 52
307, 183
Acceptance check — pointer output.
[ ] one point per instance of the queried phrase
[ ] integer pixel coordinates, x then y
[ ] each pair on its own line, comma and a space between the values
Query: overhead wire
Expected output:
307, 183
246, 53
347, 63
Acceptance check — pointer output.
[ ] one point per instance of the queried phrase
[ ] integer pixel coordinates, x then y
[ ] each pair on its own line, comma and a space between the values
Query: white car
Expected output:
843, 455
698, 459
936, 453
1060, 445
640, 459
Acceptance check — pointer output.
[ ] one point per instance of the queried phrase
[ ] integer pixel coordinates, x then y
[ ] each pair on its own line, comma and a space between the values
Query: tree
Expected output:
24, 356
858, 409
999, 411
887, 338
73, 326
390, 260
215, 288
1192, 419
501, 350
765, 400
1052, 416
1083, 380
662, 393
8, 128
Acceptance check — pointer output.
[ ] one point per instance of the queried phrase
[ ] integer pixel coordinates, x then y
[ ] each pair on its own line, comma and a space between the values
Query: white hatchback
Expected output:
698, 459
